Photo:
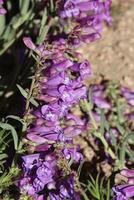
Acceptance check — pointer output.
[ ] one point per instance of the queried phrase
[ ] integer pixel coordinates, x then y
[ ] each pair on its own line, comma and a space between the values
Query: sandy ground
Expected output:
113, 55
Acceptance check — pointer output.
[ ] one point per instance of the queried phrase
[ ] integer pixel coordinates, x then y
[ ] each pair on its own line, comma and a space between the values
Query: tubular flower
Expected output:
59, 86
54, 126
88, 15
41, 173
125, 191
128, 94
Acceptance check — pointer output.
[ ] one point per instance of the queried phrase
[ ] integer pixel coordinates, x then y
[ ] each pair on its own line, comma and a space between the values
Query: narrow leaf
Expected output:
8, 127
25, 94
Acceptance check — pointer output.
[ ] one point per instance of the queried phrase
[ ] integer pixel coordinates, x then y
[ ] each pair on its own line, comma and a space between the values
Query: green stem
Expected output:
30, 93
108, 149
98, 134
36, 72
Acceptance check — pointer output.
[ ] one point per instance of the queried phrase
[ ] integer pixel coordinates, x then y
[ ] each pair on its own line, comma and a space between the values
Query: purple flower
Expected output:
98, 90
38, 172
46, 133
101, 103
130, 115
60, 87
125, 191
67, 189
28, 42
72, 131
85, 70
128, 173
2, 10
37, 138
60, 78
51, 131
29, 161
96, 116
41, 171
62, 65
128, 94
115, 134
72, 153
89, 15
54, 111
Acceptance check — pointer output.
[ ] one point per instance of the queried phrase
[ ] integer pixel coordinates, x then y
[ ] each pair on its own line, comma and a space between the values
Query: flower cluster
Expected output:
43, 178
59, 87
125, 191
88, 16
2, 10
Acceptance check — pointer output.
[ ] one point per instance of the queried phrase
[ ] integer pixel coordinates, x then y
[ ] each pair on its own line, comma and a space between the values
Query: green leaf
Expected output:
42, 31
130, 153
16, 118
25, 94
93, 187
124, 149
120, 128
6, 178
99, 189
3, 136
52, 5
102, 122
101, 184
21, 19
90, 98
2, 23
9, 33
84, 195
24, 6
122, 155
107, 126
11, 41
80, 167
108, 190
113, 138
120, 113
92, 191
129, 137
8, 127
3, 156
97, 185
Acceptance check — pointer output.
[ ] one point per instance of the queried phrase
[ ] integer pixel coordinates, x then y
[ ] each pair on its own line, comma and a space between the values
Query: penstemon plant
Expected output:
47, 161
99, 189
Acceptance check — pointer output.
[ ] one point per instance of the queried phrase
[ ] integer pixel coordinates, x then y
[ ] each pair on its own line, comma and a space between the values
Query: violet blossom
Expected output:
88, 15
128, 94
2, 10
60, 86
99, 97
59, 90
125, 191
40, 172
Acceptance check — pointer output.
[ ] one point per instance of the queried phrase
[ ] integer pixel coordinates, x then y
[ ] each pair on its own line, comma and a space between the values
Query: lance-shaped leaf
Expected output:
25, 94
10, 128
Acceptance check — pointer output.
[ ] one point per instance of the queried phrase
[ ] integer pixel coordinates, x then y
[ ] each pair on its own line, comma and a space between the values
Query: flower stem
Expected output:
97, 133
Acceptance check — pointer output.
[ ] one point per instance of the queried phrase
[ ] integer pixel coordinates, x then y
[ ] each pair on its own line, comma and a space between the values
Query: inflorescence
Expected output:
59, 85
